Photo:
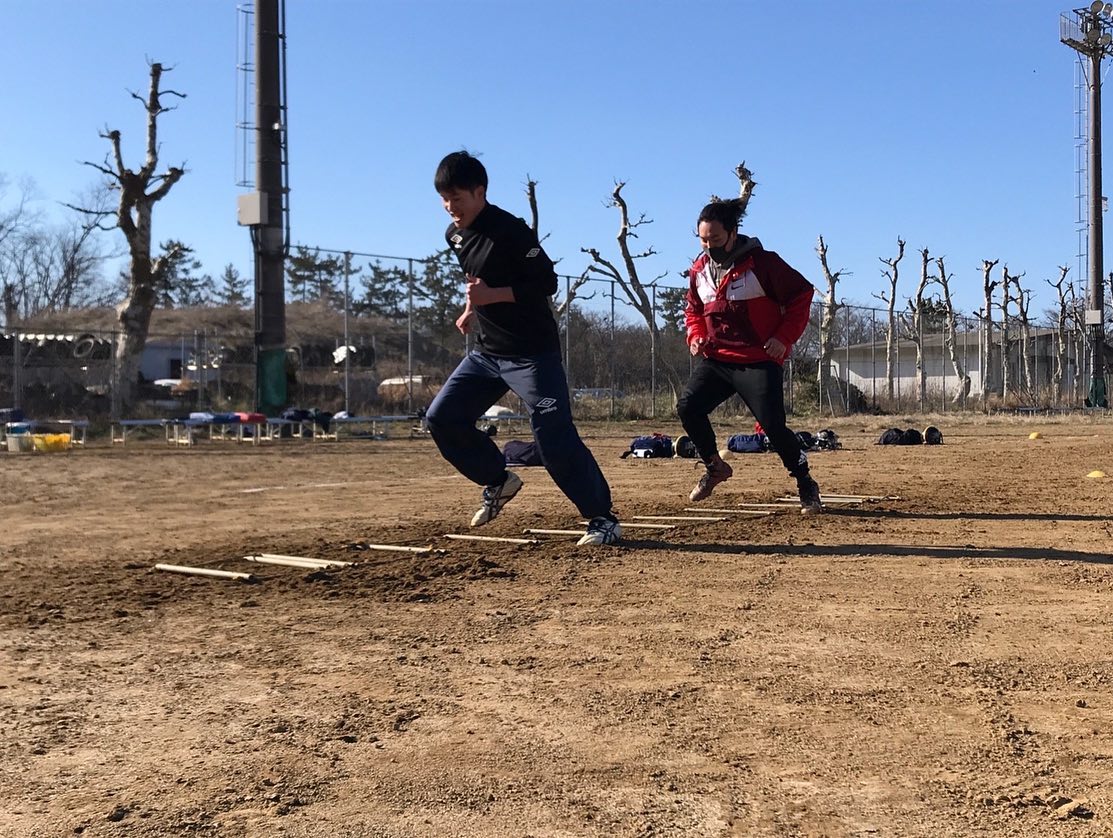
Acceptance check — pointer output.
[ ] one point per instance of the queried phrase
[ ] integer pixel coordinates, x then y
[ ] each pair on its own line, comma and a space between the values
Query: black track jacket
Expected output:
502, 250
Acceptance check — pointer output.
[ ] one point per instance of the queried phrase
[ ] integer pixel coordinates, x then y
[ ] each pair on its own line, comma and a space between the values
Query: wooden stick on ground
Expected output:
335, 562
401, 548
674, 518
731, 511
459, 537
204, 571
628, 525
848, 501
293, 561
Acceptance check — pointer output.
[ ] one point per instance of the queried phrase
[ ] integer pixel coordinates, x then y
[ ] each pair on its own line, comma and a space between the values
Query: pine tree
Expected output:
385, 291
232, 288
441, 290
671, 303
311, 277
174, 274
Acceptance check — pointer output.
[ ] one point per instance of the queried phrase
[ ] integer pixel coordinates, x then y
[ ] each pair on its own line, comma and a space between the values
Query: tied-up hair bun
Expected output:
726, 211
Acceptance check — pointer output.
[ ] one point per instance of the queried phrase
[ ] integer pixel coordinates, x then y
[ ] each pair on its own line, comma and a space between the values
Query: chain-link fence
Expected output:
397, 319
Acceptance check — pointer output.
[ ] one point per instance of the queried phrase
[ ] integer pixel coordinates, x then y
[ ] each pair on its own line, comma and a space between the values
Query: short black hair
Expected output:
460, 170
728, 213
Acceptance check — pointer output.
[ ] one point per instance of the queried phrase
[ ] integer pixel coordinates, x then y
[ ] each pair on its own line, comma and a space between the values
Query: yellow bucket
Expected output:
50, 442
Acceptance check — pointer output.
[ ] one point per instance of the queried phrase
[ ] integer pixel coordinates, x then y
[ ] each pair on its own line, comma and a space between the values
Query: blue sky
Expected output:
947, 122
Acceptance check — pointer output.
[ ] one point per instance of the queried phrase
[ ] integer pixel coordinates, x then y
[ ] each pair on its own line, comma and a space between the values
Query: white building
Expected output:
865, 365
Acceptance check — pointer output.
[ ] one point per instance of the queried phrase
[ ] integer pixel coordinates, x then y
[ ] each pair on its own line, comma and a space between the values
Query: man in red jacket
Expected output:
746, 307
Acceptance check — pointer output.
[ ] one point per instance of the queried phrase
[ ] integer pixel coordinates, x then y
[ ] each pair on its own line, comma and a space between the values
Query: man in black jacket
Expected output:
509, 282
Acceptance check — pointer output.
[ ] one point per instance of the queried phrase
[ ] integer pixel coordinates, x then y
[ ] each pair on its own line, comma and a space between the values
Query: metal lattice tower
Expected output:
1089, 32
245, 96
1081, 194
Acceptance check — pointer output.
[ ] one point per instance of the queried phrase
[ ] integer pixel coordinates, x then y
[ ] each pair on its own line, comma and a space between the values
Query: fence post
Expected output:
1036, 360
218, 367
114, 381
873, 357
347, 351
1067, 366
896, 340
17, 368
206, 365
922, 383
197, 369
653, 353
612, 352
847, 360
410, 336
791, 383
943, 364
568, 330
965, 365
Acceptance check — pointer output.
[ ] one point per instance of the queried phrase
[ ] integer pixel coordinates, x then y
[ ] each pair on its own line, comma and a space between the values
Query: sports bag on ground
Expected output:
520, 453
748, 443
653, 445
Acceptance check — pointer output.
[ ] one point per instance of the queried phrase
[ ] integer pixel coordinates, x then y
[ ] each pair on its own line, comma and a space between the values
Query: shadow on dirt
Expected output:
965, 516
869, 550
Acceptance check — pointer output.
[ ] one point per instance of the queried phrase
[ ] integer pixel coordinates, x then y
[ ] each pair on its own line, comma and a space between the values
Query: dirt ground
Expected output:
934, 665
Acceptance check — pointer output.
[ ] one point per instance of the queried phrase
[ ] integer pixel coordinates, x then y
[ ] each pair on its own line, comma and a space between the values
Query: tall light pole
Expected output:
1090, 33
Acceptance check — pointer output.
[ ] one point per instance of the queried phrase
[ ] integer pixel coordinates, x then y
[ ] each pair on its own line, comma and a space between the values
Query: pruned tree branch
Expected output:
890, 299
531, 196
638, 293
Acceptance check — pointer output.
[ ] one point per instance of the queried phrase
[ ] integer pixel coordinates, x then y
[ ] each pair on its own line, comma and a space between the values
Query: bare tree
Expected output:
559, 308
1060, 321
1007, 280
914, 321
826, 327
572, 294
1023, 299
637, 292
14, 221
138, 191
986, 316
47, 268
54, 269
951, 332
891, 324
1077, 317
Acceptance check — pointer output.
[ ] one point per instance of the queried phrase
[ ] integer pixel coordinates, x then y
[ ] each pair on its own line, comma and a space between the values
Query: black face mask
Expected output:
719, 255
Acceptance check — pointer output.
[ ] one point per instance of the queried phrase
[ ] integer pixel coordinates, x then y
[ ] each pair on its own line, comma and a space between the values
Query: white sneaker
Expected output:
601, 529
495, 498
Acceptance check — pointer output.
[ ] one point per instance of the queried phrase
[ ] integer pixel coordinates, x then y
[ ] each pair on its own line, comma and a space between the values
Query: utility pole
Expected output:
265, 211
1090, 33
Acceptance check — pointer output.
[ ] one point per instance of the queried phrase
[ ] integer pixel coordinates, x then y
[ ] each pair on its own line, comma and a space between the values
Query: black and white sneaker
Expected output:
495, 498
602, 529
810, 502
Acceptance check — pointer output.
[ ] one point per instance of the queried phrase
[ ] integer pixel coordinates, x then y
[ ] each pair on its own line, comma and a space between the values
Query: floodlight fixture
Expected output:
1096, 7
